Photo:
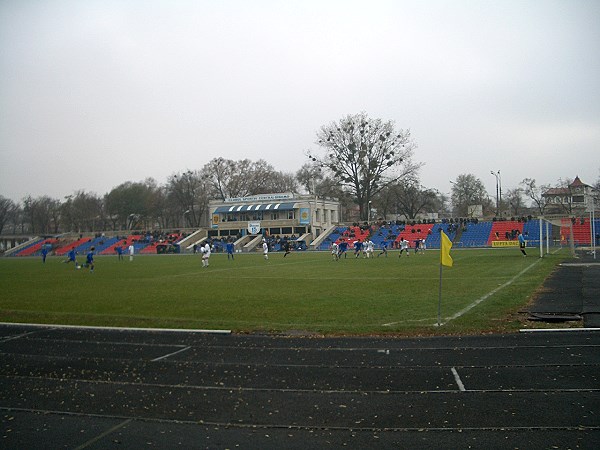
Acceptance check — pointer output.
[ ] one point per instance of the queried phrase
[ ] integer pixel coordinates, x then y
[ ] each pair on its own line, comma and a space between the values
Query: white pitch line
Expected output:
461, 386
488, 295
551, 330
89, 327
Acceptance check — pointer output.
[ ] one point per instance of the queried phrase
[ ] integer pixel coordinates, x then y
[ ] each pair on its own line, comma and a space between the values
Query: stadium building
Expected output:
302, 217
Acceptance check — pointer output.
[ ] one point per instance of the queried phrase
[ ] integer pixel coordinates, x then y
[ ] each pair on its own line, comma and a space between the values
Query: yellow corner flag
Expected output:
446, 259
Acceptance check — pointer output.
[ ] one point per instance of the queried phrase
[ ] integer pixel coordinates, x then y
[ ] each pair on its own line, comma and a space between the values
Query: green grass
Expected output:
305, 291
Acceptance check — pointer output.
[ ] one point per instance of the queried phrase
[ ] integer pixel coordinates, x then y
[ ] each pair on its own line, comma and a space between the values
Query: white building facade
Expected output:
279, 214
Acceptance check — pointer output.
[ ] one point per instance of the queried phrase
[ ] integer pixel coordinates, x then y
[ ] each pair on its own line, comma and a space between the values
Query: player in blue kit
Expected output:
358, 246
384, 246
343, 249
72, 257
89, 260
229, 247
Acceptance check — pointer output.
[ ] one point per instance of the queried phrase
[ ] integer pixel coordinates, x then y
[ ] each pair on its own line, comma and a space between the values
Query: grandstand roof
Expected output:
256, 207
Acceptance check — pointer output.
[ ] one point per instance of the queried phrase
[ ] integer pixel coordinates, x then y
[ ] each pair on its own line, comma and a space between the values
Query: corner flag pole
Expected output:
445, 260
439, 322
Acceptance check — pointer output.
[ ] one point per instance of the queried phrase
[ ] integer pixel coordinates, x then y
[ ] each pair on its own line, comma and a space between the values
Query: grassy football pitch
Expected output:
305, 292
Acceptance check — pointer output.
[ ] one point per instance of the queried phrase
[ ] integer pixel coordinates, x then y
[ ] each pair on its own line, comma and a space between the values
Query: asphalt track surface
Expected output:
101, 388
573, 289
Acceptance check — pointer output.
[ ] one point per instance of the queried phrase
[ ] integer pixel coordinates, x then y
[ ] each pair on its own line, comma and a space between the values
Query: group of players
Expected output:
366, 249
89, 257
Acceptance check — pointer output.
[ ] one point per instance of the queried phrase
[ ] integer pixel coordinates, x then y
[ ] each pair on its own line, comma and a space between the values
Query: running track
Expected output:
127, 389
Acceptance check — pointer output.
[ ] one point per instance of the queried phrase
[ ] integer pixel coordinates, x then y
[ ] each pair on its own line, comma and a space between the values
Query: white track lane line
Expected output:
461, 386
171, 354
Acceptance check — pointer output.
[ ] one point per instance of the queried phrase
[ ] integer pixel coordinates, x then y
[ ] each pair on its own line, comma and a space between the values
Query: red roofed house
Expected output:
572, 199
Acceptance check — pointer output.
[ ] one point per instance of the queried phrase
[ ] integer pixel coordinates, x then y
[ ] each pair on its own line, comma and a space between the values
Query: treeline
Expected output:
180, 202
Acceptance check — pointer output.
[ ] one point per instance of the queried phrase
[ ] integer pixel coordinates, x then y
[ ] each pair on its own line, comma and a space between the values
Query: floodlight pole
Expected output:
498, 191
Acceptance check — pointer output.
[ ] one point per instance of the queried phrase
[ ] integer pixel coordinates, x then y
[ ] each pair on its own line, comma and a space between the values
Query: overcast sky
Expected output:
94, 93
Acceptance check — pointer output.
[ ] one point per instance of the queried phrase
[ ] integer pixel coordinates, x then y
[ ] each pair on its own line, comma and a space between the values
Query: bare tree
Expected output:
233, 179
191, 192
514, 200
42, 214
535, 193
82, 211
412, 199
230, 179
468, 190
364, 155
282, 182
7, 209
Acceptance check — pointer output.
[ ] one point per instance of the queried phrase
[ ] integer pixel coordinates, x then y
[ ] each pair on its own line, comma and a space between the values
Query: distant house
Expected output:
573, 199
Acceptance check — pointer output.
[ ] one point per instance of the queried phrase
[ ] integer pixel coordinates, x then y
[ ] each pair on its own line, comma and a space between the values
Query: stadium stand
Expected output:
36, 247
434, 239
63, 250
474, 234
355, 233
582, 230
333, 237
504, 231
462, 232
413, 232
531, 230
387, 233
125, 243
153, 247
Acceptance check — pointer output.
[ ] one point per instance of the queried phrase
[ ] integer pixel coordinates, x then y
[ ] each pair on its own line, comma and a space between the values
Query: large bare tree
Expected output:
364, 155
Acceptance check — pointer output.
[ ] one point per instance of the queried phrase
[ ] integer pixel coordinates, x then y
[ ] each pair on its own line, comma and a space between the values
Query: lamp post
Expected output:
498, 191
369, 212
